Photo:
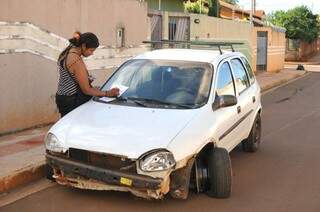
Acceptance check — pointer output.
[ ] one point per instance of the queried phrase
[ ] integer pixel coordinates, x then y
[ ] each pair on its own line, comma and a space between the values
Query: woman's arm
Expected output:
77, 66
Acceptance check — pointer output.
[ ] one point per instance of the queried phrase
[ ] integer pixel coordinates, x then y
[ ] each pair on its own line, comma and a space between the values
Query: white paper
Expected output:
106, 99
122, 88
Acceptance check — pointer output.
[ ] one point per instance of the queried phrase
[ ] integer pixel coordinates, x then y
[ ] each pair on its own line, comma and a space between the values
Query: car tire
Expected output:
252, 143
220, 173
49, 172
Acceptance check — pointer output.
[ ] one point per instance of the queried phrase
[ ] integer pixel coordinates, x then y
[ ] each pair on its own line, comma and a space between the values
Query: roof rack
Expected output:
188, 44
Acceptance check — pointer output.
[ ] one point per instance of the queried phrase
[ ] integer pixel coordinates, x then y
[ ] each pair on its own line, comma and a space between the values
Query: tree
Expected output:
277, 18
234, 2
299, 22
195, 7
214, 8
210, 7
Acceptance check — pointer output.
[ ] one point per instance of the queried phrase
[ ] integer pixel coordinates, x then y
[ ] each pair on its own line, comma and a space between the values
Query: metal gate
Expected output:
179, 28
262, 49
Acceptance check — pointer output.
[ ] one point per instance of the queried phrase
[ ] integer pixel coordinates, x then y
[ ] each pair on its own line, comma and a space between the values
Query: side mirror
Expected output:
224, 101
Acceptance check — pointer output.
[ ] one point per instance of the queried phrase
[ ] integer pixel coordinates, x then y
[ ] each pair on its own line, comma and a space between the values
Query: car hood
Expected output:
122, 130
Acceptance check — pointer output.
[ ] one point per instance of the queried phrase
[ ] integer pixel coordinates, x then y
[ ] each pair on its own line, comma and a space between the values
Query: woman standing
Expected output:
74, 86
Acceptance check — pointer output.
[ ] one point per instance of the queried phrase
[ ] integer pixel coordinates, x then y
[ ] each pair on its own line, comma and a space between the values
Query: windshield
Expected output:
176, 82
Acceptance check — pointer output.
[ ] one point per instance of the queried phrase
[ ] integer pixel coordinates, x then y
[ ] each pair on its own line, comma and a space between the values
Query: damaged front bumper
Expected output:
80, 175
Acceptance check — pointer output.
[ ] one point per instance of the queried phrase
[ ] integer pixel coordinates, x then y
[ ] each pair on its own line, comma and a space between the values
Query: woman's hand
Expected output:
114, 92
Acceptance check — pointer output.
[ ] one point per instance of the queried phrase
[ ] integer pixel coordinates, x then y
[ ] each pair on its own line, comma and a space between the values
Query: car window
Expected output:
225, 84
249, 70
241, 78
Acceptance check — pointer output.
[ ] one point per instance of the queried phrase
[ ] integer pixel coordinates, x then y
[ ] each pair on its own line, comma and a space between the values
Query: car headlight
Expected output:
52, 143
157, 161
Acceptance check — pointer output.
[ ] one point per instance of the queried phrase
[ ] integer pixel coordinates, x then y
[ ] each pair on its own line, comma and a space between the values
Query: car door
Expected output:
244, 95
226, 117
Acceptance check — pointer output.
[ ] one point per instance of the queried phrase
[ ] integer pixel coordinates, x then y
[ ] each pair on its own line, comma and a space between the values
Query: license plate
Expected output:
125, 181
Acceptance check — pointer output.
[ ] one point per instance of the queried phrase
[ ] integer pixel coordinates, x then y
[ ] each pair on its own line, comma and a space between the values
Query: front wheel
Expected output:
49, 172
252, 143
220, 173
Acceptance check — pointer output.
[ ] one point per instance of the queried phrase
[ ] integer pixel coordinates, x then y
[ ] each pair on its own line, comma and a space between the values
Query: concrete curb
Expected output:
281, 82
22, 177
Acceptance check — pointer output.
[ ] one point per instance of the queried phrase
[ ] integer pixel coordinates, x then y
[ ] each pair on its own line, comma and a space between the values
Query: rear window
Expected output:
241, 79
249, 70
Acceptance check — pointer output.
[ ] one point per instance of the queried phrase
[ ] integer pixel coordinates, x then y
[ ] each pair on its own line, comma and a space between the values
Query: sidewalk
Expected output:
312, 65
22, 154
271, 80
21, 158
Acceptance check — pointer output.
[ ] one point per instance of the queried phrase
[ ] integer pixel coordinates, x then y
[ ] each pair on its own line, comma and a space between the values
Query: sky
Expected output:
271, 5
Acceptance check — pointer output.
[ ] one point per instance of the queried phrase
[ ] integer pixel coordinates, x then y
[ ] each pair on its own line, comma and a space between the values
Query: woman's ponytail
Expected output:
76, 39
88, 38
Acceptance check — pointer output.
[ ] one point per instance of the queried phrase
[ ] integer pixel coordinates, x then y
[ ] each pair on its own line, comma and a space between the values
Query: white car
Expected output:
180, 113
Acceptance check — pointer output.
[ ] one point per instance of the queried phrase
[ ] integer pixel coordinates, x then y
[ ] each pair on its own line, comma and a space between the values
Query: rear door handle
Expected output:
239, 109
253, 99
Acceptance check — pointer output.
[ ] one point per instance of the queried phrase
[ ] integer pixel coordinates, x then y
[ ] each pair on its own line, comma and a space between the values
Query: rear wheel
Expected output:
220, 173
252, 143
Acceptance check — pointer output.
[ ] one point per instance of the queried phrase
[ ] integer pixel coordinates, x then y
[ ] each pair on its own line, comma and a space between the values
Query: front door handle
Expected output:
253, 99
239, 109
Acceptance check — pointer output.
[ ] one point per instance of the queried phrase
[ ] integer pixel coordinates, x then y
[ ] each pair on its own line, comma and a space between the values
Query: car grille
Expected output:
102, 160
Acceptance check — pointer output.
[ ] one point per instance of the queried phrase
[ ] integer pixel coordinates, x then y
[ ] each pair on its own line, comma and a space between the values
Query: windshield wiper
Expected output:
124, 99
159, 102
137, 100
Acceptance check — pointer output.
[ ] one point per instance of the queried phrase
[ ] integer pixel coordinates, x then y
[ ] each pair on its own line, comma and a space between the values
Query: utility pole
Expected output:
253, 3
218, 8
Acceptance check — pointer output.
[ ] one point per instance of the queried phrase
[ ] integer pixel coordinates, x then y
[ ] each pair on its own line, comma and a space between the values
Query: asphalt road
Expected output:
284, 175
